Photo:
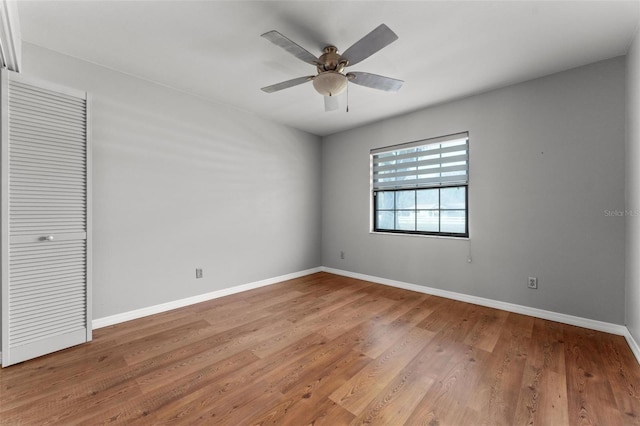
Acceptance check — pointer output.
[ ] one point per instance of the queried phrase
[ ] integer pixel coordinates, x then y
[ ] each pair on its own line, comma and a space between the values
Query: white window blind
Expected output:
425, 163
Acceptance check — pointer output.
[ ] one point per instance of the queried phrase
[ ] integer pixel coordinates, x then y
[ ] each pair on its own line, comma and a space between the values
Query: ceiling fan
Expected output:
331, 79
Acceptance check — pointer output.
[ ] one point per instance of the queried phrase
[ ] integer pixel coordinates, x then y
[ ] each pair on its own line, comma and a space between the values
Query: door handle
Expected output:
47, 238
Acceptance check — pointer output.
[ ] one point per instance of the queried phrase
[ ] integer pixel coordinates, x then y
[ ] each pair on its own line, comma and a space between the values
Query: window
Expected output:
422, 187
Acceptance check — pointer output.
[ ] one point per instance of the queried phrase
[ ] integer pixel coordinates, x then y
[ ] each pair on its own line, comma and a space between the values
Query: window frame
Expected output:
374, 227
378, 230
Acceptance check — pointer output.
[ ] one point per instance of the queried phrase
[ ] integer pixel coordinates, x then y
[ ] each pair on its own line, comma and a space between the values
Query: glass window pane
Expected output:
406, 220
405, 199
385, 220
384, 200
453, 198
427, 198
453, 221
428, 221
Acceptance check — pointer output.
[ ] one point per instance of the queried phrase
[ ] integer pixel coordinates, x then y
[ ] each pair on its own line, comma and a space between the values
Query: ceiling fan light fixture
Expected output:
331, 79
330, 83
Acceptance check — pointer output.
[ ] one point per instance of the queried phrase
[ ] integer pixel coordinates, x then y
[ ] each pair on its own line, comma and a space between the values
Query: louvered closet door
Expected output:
46, 257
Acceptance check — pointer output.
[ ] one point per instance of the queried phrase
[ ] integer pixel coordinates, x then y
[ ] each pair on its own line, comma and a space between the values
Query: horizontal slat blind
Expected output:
430, 162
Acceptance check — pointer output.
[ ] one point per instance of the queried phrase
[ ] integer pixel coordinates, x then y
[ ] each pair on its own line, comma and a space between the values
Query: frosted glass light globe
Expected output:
330, 83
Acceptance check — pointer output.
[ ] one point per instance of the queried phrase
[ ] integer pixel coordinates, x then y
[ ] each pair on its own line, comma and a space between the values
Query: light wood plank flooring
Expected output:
330, 350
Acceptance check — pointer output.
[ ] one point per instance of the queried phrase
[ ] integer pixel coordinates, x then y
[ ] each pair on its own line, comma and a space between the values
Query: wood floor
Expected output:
330, 350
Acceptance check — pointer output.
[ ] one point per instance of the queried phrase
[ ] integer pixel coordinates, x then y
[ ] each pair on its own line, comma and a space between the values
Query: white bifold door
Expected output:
46, 256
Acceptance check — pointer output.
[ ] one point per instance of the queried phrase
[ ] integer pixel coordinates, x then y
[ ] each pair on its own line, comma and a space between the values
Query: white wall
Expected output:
181, 183
633, 191
547, 160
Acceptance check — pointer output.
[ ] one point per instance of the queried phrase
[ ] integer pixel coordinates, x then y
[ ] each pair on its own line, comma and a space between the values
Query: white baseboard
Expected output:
156, 309
635, 348
606, 327
620, 330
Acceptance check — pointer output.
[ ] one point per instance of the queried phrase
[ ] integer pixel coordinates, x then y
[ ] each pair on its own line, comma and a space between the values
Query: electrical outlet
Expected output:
198, 272
532, 283
342, 255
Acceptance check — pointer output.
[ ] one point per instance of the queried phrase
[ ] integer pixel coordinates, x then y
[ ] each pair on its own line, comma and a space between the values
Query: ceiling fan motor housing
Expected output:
330, 60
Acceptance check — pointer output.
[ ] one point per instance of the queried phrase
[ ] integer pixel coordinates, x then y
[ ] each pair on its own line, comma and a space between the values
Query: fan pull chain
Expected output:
347, 97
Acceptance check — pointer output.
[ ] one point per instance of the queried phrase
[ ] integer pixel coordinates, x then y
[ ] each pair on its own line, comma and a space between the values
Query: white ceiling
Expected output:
446, 49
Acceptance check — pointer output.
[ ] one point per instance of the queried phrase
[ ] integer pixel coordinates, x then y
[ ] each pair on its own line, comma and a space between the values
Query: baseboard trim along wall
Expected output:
156, 309
635, 348
620, 330
606, 327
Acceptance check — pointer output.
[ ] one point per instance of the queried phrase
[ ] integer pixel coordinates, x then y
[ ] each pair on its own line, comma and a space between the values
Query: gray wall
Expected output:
547, 161
633, 190
180, 183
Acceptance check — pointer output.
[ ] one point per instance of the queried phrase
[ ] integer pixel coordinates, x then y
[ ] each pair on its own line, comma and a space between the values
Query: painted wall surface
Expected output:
180, 183
633, 190
547, 161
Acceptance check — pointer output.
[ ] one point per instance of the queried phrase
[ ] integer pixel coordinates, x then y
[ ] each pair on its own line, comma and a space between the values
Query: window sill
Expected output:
440, 237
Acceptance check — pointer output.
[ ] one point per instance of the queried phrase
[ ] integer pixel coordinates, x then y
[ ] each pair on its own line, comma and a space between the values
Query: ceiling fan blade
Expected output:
291, 47
331, 103
286, 84
369, 44
374, 81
